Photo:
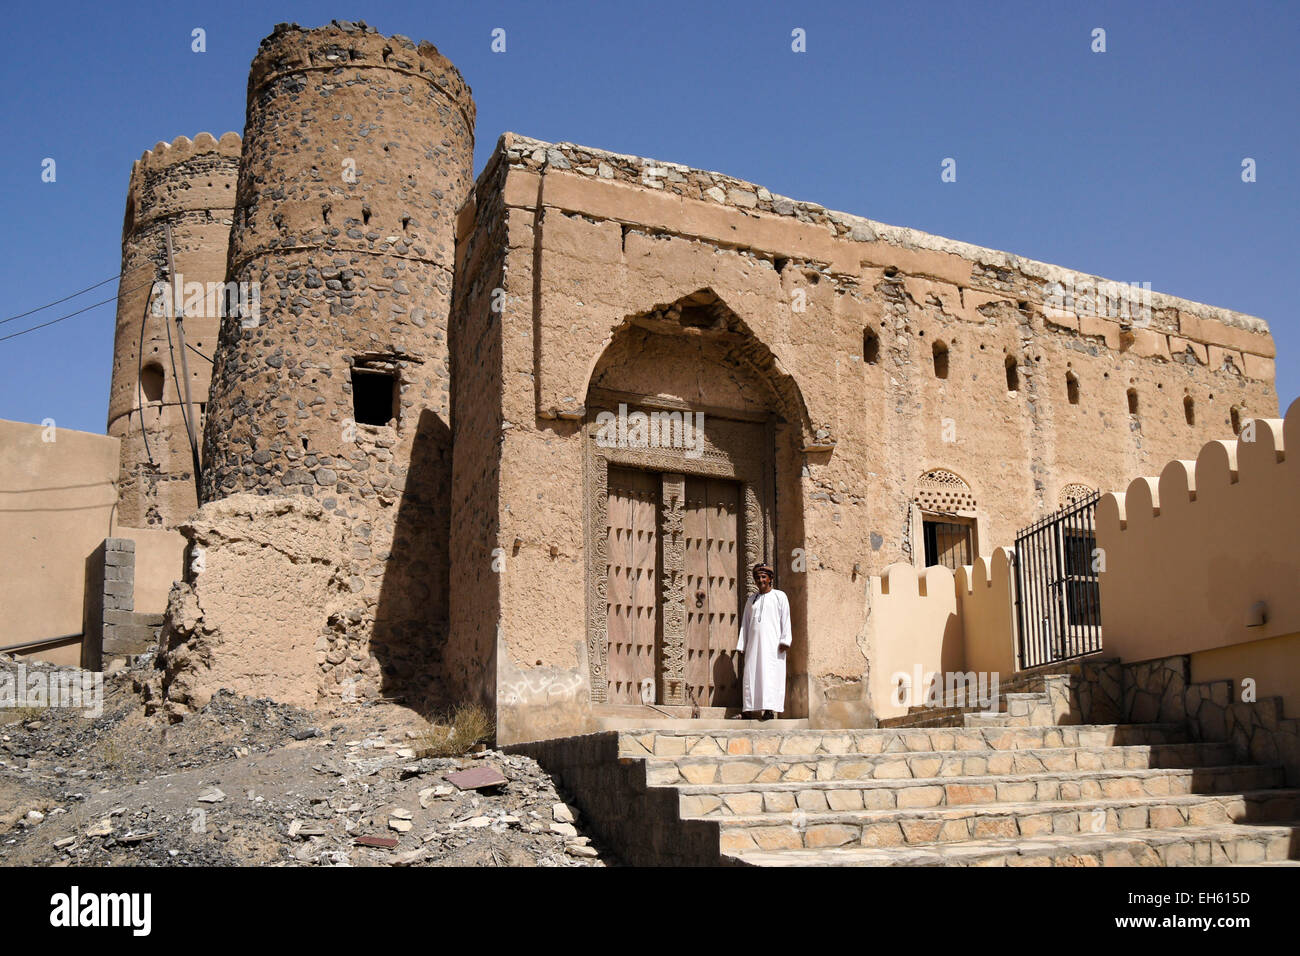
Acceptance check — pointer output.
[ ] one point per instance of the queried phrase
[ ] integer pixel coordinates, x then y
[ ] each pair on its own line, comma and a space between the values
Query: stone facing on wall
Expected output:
357, 155
111, 626
188, 185
1259, 731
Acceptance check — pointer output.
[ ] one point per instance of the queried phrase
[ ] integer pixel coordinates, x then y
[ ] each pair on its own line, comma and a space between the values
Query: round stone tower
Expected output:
190, 185
357, 156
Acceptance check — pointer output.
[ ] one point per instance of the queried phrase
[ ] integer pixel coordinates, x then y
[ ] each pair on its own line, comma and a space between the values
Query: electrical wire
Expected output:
14, 335
47, 305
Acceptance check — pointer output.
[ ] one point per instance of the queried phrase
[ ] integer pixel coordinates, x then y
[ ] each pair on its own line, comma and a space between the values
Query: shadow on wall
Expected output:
411, 618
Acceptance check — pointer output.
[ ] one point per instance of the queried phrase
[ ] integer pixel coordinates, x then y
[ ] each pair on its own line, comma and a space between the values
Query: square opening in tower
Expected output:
374, 395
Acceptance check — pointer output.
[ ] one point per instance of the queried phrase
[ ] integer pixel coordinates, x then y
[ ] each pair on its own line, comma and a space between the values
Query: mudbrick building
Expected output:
518, 440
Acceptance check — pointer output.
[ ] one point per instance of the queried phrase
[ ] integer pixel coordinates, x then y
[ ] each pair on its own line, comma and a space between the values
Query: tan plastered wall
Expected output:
159, 562
1273, 664
914, 623
259, 615
986, 593
1189, 554
56, 505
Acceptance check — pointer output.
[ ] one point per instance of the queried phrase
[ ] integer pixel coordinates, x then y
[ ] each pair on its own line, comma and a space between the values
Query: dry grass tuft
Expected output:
456, 733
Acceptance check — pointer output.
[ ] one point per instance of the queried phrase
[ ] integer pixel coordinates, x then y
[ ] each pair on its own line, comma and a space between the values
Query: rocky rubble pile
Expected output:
252, 782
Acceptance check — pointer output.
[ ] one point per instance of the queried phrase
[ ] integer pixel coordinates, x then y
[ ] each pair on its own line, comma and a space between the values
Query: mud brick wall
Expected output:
469, 665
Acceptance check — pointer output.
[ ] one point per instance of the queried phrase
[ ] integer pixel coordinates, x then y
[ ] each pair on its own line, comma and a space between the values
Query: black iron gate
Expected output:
1058, 604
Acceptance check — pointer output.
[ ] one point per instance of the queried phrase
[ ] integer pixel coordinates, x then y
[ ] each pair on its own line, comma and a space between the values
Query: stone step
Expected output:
653, 742
798, 768
1023, 821
1237, 844
711, 801
1024, 700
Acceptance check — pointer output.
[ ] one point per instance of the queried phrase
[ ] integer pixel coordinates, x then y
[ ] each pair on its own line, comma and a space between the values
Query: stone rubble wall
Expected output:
357, 156
1258, 730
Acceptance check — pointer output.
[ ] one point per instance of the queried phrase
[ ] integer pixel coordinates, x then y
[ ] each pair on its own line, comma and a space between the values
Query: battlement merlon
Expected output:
183, 148
354, 45
183, 176
1003, 275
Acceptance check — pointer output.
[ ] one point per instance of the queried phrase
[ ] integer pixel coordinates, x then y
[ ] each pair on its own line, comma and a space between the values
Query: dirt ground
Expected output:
252, 782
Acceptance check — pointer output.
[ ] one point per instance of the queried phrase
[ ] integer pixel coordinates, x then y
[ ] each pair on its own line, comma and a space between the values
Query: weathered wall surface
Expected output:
357, 155
188, 185
1189, 554
478, 556
56, 506
849, 312
264, 609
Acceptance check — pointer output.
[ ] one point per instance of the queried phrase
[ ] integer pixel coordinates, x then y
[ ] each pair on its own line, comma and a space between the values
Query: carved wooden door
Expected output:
633, 582
713, 591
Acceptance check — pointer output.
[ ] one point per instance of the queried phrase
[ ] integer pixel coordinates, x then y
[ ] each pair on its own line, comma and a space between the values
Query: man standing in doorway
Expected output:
764, 639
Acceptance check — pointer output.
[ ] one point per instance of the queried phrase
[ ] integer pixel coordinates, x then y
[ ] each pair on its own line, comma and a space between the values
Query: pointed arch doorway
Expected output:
683, 440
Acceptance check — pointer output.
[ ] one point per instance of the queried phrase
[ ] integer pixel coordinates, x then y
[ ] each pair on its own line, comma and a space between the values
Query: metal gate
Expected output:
1058, 603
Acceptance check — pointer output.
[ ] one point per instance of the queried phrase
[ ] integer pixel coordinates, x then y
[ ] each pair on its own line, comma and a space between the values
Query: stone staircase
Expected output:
1004, 790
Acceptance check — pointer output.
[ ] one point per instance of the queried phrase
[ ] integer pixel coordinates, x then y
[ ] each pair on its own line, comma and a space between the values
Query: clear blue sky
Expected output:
1126, 164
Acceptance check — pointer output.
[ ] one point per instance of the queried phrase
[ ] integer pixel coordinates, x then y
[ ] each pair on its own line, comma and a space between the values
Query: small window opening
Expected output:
940, 360
947, 541
325, 213
1132, 401
1013, 375
870, 347
374, 396
151, 382
406, 225
1072, 387
1189, 410
1235, 415
365, 215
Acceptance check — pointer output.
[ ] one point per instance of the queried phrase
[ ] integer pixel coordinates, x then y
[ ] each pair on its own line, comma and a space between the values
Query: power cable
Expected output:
14, 335
47, 305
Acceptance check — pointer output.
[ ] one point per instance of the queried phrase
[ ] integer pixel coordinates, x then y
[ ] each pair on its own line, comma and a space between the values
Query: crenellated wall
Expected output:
986, 591
189, 185
1203, 560
915, 623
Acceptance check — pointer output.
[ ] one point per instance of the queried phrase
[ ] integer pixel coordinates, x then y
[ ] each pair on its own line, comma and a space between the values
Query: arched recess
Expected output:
693, 442
1075, 492
945, 522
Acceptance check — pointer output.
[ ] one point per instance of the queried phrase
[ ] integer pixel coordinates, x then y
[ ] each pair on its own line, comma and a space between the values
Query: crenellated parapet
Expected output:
1207, 554
182, 176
